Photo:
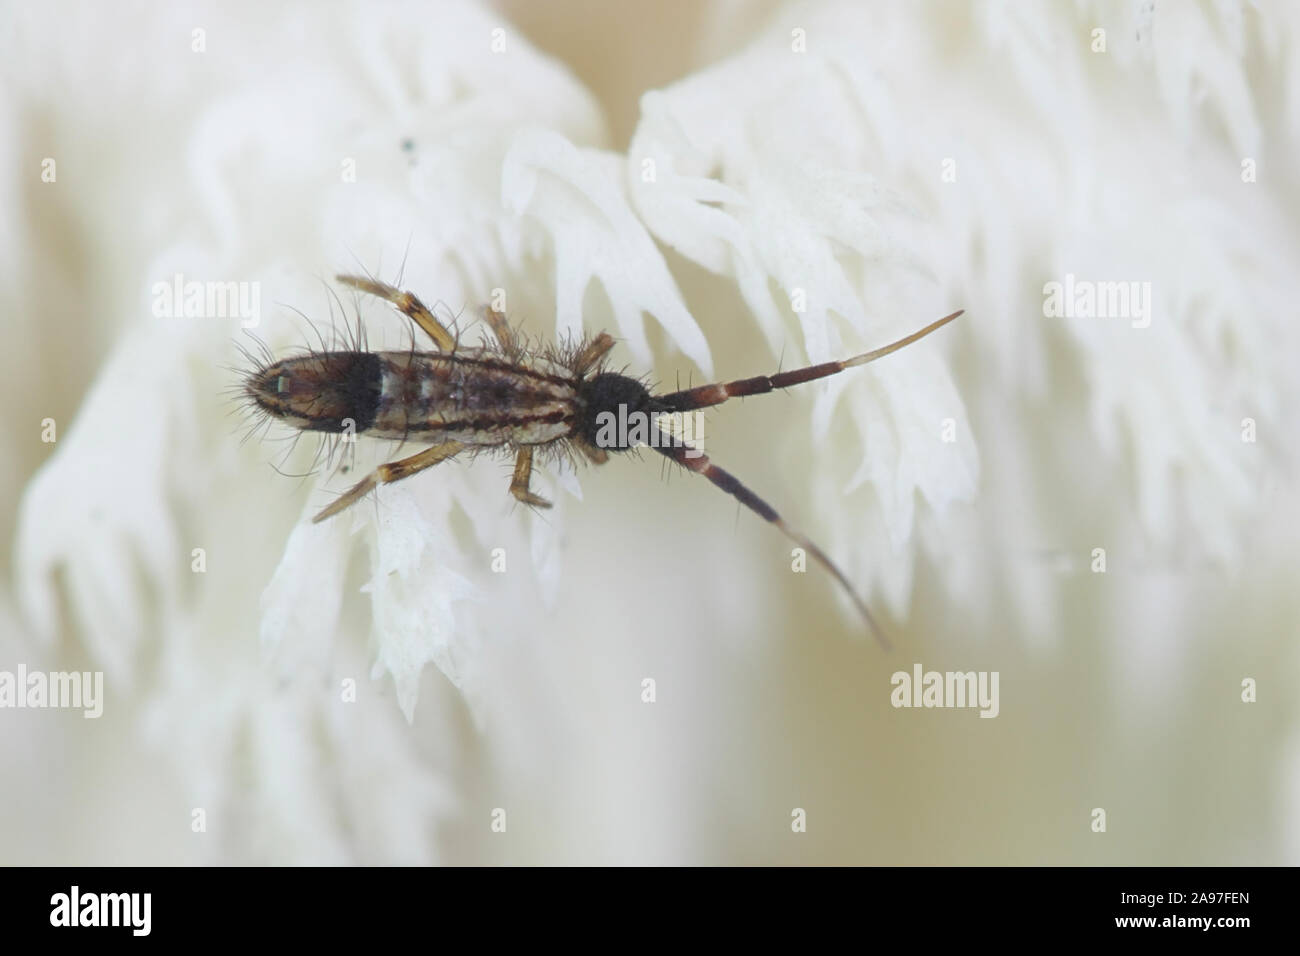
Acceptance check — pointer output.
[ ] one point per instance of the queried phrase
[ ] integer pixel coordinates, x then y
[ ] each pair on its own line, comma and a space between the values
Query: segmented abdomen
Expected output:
471, 397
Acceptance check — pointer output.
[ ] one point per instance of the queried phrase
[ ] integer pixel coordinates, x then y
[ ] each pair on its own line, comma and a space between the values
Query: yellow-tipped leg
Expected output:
519, 483
390, 472
408, 304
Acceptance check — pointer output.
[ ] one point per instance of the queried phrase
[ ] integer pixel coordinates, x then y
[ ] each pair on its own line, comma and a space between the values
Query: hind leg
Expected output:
409, 305
388, 473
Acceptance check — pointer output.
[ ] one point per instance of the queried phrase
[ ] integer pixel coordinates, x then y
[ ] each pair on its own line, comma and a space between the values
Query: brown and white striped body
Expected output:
474, 396
457, 399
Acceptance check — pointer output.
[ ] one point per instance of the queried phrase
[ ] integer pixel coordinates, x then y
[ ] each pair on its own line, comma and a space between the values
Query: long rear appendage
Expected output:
699, 463
703, 396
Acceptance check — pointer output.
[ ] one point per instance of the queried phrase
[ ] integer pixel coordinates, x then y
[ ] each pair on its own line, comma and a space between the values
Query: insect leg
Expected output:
519, 483
698, 462
408, 304
592, 353
595, 455
390, 472
501, 329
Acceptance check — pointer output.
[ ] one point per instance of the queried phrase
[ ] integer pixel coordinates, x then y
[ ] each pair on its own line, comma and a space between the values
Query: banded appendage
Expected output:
694, 460
704, 396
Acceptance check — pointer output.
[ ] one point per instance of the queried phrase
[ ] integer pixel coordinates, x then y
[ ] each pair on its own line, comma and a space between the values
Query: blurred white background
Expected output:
770, 184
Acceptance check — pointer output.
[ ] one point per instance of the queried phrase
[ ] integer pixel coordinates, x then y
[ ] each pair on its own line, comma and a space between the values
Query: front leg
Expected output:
597, 456
519, 483
591, 353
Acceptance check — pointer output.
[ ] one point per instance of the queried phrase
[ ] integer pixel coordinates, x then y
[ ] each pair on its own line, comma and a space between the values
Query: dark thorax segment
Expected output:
611, 394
